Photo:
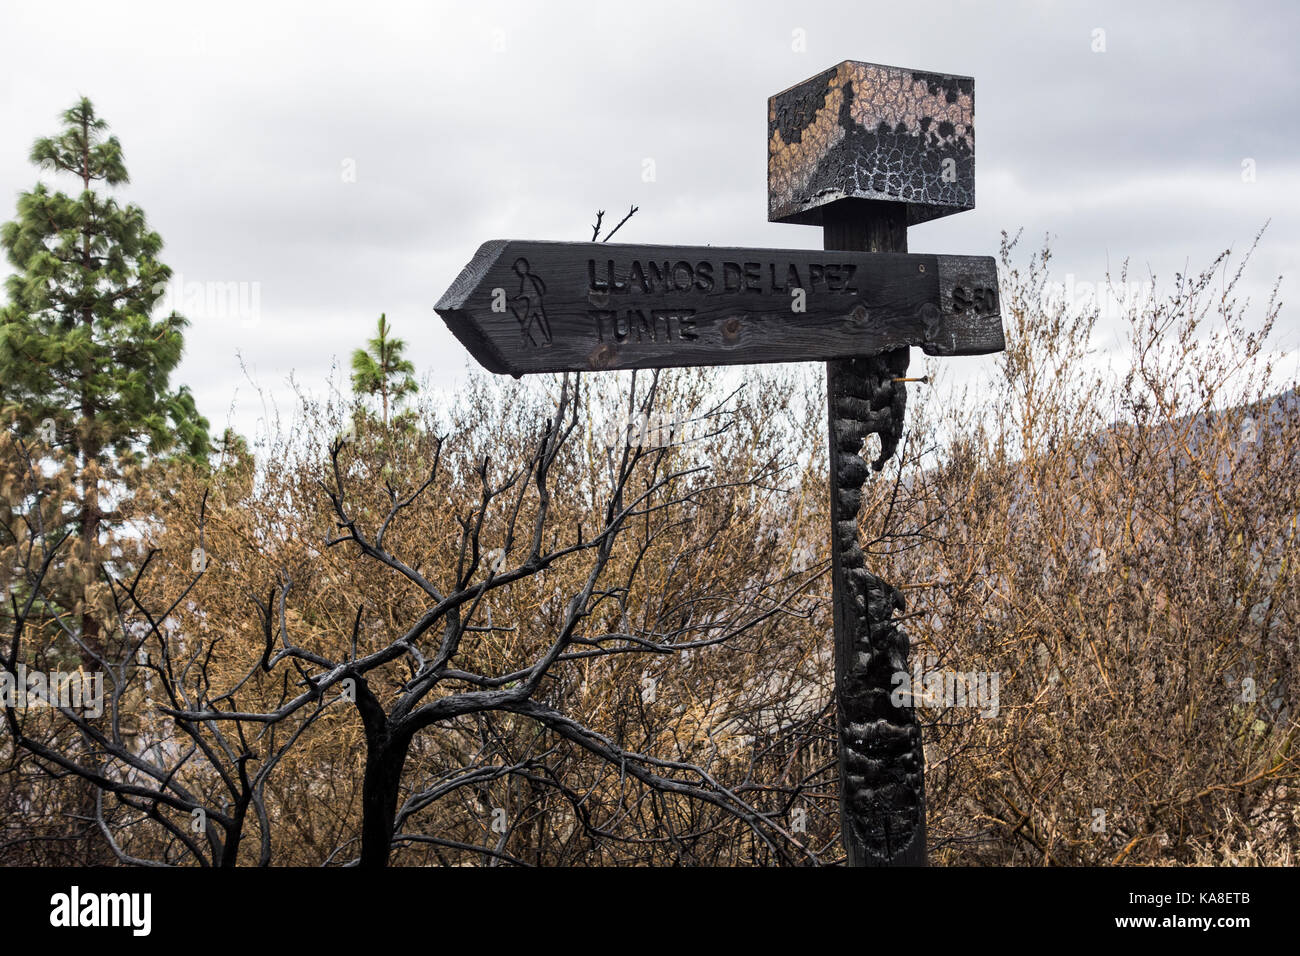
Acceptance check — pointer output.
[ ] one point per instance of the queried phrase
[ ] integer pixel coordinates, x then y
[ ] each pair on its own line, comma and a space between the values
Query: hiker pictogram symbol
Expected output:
528, 307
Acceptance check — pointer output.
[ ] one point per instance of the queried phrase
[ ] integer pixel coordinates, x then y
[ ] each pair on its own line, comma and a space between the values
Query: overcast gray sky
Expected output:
344, 159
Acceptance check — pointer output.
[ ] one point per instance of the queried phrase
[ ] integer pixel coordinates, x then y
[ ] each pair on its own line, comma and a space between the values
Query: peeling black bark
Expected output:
882, 787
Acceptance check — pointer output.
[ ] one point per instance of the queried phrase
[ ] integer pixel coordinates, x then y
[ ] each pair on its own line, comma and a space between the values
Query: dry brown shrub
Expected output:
1117, 547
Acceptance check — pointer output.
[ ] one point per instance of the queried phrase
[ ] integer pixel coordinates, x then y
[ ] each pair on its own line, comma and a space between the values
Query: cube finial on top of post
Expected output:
865, 131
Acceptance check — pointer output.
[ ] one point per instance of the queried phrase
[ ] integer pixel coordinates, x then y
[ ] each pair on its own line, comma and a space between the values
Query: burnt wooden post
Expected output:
863, 151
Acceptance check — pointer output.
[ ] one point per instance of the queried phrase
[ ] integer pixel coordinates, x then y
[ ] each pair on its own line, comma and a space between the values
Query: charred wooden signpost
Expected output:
863, 151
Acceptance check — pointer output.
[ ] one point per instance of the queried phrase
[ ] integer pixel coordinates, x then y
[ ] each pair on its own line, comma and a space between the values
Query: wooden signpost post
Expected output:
864, 151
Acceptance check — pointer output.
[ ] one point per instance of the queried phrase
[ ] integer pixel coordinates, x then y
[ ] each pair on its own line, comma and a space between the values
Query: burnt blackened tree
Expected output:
638, 544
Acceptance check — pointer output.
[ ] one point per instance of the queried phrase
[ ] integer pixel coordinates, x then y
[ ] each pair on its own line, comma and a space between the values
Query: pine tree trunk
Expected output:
88, 529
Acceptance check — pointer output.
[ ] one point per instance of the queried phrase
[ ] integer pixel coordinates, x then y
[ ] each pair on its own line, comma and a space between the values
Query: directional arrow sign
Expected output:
523, 307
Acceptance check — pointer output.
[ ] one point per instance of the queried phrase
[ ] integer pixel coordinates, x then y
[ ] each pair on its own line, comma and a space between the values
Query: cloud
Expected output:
464, 122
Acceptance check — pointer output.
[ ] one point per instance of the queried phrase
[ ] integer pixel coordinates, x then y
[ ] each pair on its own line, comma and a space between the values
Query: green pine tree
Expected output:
381, 370
83, 364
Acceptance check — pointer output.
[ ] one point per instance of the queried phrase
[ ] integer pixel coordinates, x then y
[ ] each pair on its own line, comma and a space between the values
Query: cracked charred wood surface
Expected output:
882, 772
